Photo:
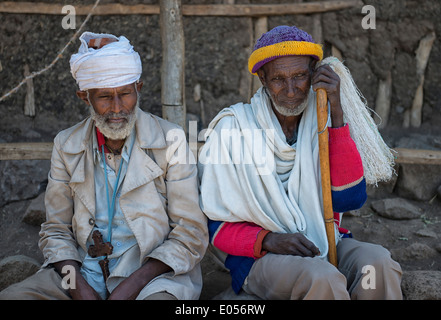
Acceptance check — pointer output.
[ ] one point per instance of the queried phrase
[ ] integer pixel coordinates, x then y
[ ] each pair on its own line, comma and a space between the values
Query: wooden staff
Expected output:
322, 119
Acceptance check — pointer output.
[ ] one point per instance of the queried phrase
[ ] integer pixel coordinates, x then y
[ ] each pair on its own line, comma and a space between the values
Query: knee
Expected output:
324, 281
320, 271
378, 257
380, 278
12, 292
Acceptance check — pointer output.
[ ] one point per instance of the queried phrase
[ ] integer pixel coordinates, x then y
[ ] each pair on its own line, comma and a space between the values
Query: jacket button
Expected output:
91, 221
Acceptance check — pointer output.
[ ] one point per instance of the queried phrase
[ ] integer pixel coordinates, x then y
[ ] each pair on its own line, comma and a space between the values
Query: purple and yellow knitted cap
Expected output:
283, 41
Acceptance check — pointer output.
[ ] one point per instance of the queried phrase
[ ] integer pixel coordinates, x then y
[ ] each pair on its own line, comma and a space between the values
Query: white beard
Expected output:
115, 131
287, 111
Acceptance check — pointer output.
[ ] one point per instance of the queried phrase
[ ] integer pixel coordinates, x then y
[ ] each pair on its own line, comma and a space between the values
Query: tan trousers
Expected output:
365, 271
46, 285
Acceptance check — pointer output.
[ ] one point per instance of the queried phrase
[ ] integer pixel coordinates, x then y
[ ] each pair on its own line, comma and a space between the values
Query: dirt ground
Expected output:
408, 240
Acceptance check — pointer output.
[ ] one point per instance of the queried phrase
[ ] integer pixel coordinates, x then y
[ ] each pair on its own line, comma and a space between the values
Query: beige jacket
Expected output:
159, 196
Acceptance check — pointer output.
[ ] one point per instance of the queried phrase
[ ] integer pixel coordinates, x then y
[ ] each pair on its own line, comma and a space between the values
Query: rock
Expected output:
416, 251
21, 179
421, 285
35, 214
396, 208
426, 233
417, 181
382, 188
14, 269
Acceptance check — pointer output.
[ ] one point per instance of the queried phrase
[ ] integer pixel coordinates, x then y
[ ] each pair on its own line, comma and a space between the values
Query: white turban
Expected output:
114, 65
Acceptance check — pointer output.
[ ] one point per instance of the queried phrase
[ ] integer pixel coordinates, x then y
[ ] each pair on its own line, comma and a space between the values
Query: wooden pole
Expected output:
382, 103
328, 212
260, 27
26, 151
173, 62
29, 107
422, 57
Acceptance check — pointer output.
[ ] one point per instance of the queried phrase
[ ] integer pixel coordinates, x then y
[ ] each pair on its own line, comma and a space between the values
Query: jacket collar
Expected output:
148, 131
78, 139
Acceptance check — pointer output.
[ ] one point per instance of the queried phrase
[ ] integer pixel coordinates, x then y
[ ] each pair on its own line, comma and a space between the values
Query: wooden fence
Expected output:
43, 151
237, 10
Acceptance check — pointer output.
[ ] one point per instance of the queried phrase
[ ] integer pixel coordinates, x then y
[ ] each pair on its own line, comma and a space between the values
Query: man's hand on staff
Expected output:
325, 78
289, 243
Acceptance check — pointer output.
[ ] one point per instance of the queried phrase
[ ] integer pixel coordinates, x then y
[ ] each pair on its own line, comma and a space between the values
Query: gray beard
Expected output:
115, 131
287, 111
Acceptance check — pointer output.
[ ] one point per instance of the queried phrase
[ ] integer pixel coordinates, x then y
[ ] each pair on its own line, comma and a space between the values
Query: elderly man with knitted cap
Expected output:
260, 179
122, 209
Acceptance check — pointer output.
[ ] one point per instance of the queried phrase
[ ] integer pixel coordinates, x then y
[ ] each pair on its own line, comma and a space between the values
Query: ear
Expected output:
83, 96
139, 85
261, 75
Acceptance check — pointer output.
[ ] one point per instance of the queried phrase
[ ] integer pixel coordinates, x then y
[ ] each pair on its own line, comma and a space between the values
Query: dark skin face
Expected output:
117, 100
288, 80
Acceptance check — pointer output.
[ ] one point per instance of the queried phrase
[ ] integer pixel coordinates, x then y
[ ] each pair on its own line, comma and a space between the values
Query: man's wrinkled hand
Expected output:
325, 78
289, 243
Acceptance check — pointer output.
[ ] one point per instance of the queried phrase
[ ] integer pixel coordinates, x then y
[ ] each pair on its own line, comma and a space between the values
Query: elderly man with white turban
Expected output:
122, 213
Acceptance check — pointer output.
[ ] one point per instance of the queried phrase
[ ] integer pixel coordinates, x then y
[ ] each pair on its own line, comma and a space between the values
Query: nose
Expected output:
117, 104
290, 88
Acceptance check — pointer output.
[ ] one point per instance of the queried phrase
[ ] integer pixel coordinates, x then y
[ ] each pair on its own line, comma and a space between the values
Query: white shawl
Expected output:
268, 182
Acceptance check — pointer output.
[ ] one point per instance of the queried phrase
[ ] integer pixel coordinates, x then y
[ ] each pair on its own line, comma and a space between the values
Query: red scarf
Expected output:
101, 141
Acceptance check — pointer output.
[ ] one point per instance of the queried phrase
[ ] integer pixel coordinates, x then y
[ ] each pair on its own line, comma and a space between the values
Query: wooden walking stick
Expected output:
328, 212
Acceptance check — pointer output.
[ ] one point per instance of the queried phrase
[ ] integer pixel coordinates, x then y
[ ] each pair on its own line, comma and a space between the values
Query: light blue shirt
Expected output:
122, 236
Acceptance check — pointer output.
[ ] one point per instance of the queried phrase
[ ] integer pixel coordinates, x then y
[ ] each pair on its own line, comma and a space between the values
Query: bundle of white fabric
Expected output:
377, 158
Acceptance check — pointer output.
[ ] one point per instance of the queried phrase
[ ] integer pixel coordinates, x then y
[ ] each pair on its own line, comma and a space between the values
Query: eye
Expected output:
300, 76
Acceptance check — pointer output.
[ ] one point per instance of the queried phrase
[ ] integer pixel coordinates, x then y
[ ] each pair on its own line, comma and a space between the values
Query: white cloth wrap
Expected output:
283, 198
114, 65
